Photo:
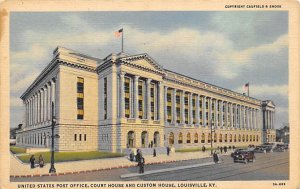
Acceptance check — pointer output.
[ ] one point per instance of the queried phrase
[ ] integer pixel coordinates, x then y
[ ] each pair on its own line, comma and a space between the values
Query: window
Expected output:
188, 138
84, 137
75, 137
79, 137
169, 97
196, 138
80, 98
203, 138
105, 98
180, 138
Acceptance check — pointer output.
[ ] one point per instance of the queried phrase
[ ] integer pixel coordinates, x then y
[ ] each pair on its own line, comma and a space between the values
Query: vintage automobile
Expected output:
244, 156
236, 151
263, 149
280, 148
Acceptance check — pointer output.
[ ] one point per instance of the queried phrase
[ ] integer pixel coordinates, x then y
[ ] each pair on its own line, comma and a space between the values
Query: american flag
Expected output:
119, 32
246, 86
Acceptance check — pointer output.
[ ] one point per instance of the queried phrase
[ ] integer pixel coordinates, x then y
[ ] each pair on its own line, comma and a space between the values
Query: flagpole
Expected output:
248, 88
122, 39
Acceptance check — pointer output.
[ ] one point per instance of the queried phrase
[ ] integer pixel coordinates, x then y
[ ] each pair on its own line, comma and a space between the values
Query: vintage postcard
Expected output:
138, 94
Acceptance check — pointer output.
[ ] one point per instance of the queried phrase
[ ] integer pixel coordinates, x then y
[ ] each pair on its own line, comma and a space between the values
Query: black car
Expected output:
244, 156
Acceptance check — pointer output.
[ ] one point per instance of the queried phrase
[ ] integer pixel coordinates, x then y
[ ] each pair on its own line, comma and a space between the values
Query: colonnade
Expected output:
38, 106
205, 111
134, 106
269, 119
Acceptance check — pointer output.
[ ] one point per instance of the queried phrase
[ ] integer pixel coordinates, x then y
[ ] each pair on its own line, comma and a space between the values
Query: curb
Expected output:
99, 169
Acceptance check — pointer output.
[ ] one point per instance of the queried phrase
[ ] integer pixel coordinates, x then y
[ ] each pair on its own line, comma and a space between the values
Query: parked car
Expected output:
236, 152
244, 156
279, 148
263, 148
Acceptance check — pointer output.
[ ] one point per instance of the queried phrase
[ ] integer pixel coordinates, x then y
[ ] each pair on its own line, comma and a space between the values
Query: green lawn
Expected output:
71, 156
17, 150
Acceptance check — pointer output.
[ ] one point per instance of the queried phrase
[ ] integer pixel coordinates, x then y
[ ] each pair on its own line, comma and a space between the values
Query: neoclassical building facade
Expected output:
130, 101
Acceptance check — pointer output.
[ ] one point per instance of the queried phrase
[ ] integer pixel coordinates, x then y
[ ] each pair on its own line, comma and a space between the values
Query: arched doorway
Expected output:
156, 139
144, 138
171, 139
130, 139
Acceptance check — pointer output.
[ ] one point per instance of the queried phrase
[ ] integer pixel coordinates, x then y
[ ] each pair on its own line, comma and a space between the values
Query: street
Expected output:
270, 166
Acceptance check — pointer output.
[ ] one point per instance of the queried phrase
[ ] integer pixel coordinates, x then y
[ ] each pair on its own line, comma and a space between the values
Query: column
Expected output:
204, 111
221, 113
45, 103
26, 113
148, 99
35, 109
136, 97
190, 108
235, 115
216, 112
53, 96
159, 100
226, 114
231, 115
38, 107
30, 111
174, 117
210, 112
48, 101
42, 104
197, 110
182, 107
122, 95
166, 104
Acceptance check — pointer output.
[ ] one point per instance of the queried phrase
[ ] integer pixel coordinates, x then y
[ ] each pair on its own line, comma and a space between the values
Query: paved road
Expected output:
271, 166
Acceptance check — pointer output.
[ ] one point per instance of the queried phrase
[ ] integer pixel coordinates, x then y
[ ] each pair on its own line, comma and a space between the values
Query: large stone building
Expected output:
129, 101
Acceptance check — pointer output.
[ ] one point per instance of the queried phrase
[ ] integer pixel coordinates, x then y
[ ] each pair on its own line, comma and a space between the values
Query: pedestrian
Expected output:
154, 152
215, 157
32, 159
233, 147
138, 155
168, 150
131, 156
225, 149
203, 148
41, 161
141, 164
221, 149
218, 148
151, 143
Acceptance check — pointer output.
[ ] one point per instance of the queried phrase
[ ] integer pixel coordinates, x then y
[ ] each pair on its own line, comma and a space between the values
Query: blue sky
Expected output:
227, 49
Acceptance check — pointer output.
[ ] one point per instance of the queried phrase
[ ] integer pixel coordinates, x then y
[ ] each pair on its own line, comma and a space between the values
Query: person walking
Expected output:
215, 157
41, 161
154, 152
151, 144
141, 164
168, 150
203, 148
221, 149
225, 149
138, 155
32, 160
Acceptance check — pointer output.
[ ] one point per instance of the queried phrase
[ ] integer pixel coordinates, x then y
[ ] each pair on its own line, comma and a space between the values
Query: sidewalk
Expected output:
18, 169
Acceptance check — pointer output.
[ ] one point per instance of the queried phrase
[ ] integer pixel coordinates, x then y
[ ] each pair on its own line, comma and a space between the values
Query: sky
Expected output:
224, 48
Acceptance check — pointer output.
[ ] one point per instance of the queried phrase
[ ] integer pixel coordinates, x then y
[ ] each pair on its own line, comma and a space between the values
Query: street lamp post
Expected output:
211, 137
53, 122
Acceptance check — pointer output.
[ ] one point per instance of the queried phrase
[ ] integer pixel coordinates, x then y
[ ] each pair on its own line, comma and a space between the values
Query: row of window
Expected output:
79, 137
222, 138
